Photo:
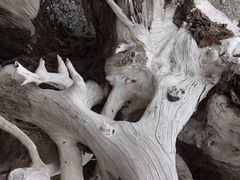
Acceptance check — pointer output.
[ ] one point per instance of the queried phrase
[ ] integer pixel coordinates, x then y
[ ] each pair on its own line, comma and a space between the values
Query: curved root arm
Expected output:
38, 169
24, 139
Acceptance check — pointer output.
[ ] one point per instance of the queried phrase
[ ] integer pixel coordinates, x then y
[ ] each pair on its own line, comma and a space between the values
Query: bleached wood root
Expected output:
120, 14
59, 80
71, 161
38, 169
94, 95
24, 139
78, 124
218, 137
67, 117
114, 103
19, 13
131, 80
164, 60
224, 119
175, 52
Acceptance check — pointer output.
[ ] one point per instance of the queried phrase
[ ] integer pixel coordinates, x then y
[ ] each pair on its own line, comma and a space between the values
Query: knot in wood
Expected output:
175, 94
107, 129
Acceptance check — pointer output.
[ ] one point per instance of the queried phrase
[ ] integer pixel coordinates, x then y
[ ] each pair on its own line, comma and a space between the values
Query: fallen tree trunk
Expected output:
157, 62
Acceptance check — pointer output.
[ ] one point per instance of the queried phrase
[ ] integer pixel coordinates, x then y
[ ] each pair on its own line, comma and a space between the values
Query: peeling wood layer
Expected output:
204, 31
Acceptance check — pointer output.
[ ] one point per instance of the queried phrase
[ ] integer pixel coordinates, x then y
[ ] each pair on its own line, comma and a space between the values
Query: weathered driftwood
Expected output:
38, 169
218, 136
157, 62
19, 13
